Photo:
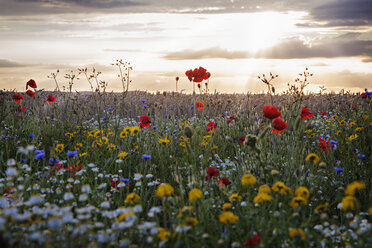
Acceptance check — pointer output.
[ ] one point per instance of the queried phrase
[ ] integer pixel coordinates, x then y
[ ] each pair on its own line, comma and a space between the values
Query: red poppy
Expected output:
323, 113
271, 112
363, 95
252, 241
114, 182
305, 113
211, 126
241, 140
211, 172
199, 105
31, 83
145, 121
22, 109
224, 181
231, 118
279, 125
30, 93
74, 168
197, 75
325, 145
17, 98
50, 99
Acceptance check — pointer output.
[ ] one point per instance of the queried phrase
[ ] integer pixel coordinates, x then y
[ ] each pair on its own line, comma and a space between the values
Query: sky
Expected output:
235, 40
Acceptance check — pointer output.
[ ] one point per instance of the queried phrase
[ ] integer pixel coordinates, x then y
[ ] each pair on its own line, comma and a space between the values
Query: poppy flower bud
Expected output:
251, 140
189, 132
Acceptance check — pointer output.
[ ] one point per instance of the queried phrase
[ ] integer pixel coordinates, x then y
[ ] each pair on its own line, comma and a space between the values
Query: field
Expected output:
138, 169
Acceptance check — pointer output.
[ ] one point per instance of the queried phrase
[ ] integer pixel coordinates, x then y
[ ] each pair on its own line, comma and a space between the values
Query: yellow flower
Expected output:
338, 132
204, 143
183, 144
297, 232
353, 137
342, 122
134, 130
105, 140
163, 234
248, 179
370, 210
264, 189
358, 129
235, 197
164, 141
226, 206
365, 118
123, 134
163, 190
309, 131
262, 197
206, 137
320, 208
228, 217
125, 215
97, 133
297, 201
111, 134
191, 221
184, 210
312, 157
353, 123
349, 203
354, 186
59, 147
78, 146
111, 147
83, 154
303, 192
122, 154
185, 123
195, 194
70, 135
132, 198
280, 187
335, 117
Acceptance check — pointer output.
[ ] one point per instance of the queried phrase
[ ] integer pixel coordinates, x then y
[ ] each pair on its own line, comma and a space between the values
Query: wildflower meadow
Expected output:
168, 169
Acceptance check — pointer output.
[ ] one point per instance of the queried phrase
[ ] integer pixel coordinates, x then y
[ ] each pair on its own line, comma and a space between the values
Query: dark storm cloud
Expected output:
346, 45
34, 7
344, 13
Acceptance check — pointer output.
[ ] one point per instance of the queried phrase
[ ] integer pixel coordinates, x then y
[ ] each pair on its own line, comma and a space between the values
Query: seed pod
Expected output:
189, 131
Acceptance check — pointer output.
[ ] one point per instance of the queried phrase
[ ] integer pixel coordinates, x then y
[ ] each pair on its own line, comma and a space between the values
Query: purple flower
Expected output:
192, 107
143, 101
31, 135
145, 106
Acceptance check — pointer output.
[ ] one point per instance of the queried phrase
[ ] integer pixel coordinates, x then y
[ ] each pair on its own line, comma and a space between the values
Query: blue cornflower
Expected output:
110, 110
339, 170
31, 135
145, 106
23, 160
143, 101
124, 180
132, 151
361, 156
104, 118
165, 115
71, 153
39, 154
192, 106
333, 144
5, 136
146, 157
153, 127
53, 160
368, 93
327, 136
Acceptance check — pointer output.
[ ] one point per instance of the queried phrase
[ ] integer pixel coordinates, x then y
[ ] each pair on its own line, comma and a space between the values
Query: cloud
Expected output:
4, 63
346, 45
209, 53
30, 7
344, 13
